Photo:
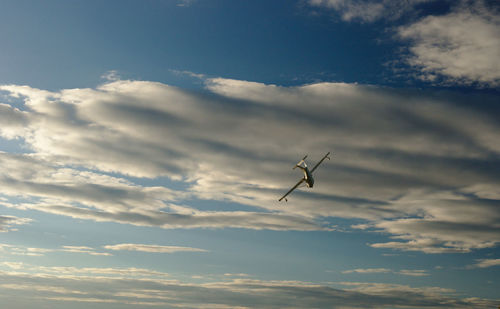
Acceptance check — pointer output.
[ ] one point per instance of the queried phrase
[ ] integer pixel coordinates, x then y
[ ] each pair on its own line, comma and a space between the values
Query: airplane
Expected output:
308, 177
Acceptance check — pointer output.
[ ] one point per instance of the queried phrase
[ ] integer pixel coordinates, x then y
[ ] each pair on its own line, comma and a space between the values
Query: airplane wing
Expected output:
290, 191
326, 156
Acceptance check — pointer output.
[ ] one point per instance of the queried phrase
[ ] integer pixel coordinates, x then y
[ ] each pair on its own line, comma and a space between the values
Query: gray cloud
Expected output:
422, 167
13, 121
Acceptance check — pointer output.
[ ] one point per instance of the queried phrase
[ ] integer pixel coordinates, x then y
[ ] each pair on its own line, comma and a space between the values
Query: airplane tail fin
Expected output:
300, 162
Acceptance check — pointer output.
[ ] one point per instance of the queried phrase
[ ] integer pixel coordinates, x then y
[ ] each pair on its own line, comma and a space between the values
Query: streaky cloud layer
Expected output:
405, 161
132, 287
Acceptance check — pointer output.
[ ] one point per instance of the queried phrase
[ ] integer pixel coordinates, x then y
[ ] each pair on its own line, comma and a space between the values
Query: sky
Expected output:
144, 146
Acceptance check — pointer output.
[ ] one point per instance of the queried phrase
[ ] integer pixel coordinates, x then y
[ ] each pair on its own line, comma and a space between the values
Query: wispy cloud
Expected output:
185, 3
367, 10
413, 272
485, 263
111, 76
83, 249
135, 287
367, 271
21, 250
33, 251
152, 248
405, 272
6, 222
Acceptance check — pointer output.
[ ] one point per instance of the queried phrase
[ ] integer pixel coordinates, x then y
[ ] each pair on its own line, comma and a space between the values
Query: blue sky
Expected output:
144, 146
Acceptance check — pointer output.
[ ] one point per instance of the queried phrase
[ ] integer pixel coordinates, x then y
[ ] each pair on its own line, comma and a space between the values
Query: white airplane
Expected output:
308, 177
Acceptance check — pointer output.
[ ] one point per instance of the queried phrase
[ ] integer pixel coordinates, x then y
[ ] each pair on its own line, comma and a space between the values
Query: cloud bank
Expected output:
421, 167
130, 288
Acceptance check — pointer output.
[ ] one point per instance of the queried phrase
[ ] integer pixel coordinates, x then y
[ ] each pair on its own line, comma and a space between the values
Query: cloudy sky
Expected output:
144, 146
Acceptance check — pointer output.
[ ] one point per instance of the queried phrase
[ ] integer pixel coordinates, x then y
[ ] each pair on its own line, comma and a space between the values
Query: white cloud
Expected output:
367, 271
83, 249
413, 272
152, 248
405, 272
238, 143
236, 275
460, 47
13, 265
75, 272
33, 251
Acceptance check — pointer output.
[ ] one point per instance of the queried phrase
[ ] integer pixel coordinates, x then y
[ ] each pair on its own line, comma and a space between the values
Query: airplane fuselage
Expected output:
308, 177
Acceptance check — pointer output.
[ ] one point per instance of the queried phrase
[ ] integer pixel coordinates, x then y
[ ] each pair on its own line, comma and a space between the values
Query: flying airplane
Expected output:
308, 177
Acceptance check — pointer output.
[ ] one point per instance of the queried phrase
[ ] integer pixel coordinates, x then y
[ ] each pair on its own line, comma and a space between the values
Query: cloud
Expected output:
367, 271
33, 251
25, 251
413, 272
236, 275
485, 263
13, 265
13, 121
83, 249
6, 222
405, 272
152, 248
418, 166
474, 228
185, 3
367, 10
75, 272
89, 195
460, 47
130, 288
